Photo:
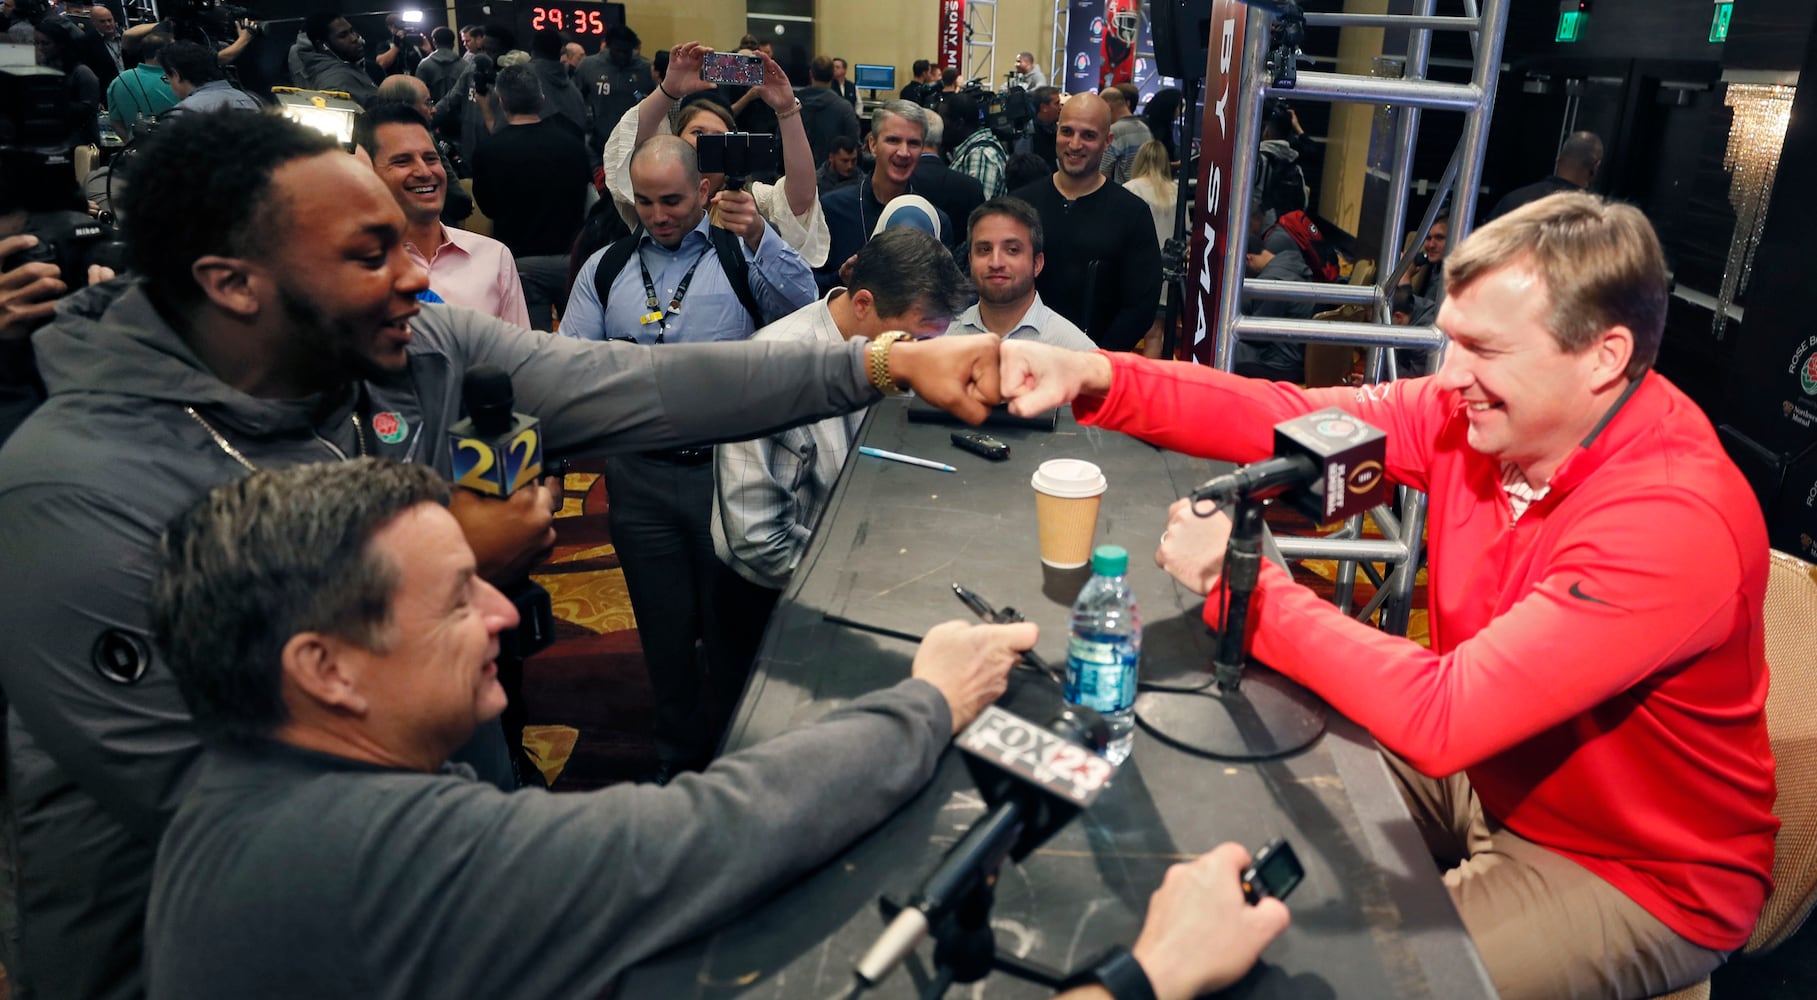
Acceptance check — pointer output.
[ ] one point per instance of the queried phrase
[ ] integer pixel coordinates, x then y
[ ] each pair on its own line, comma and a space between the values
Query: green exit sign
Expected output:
1719, 24
1570, 25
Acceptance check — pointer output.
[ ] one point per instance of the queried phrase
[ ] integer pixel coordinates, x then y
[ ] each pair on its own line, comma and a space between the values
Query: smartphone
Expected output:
981, 444
1275, 871
737, 154
733, 68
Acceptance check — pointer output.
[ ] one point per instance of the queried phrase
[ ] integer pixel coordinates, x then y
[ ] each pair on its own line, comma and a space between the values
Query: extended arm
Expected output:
798, 181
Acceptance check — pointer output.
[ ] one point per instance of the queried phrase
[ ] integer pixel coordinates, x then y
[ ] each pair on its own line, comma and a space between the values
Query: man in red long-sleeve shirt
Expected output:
1584, 744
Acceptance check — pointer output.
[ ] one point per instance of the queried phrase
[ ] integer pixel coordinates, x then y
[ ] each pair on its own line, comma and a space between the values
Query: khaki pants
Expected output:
1545, 926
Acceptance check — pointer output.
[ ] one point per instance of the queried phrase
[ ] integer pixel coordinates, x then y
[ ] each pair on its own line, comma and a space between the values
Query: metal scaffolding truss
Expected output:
981, 41
1056, 55
1402, 527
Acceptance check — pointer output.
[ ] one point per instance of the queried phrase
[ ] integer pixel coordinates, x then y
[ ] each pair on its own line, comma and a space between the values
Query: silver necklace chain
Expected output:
359, 437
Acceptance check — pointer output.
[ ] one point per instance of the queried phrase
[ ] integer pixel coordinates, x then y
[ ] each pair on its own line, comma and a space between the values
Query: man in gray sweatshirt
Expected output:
329, 632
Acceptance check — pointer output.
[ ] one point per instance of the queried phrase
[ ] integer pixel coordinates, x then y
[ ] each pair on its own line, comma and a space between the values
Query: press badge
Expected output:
650, 317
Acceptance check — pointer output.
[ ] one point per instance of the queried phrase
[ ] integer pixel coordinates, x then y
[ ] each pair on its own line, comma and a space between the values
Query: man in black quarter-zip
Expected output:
1103, 269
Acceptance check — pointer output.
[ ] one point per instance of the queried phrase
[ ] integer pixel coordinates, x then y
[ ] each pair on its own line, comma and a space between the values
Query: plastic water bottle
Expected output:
1101, 660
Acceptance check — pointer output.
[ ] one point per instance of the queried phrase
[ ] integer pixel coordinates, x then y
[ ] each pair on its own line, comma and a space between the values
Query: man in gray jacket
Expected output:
275, 321
330, 55
328, 630
441, 69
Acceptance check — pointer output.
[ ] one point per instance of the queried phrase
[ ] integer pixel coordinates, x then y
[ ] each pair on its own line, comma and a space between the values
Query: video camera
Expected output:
206, 22
1007, 112
738, 155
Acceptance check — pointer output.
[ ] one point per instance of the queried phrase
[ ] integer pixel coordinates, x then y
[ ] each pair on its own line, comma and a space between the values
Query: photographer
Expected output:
792, 204
30, 286
404, 49
202, 22
662, 501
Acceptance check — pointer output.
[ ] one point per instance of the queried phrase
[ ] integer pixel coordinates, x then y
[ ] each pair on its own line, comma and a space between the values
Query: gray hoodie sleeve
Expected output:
614, 397
643, 868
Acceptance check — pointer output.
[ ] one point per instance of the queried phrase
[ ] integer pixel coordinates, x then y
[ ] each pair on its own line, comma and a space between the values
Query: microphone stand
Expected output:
1247, 711
1242, 568
965, 946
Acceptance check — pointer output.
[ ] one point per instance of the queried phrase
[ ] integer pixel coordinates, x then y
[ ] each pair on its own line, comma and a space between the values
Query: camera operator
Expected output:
980, 155
404, 49
202, 22
30, 285
330, 55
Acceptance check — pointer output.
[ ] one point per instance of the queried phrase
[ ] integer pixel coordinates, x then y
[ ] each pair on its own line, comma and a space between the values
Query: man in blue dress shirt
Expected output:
674, 290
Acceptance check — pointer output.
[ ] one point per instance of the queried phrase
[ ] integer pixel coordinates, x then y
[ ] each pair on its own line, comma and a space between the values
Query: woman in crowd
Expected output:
791, 205
1151, 179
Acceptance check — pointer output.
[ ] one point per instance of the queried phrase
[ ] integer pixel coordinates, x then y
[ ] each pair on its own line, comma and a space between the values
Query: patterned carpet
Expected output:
587, 697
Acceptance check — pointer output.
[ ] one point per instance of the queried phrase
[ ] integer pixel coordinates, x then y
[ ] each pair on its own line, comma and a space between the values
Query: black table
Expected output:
1371, 919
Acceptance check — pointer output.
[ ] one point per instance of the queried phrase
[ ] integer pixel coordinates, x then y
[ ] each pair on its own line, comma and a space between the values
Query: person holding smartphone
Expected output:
792, 204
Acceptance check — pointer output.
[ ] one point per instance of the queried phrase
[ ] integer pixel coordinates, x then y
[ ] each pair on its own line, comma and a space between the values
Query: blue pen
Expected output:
895, 456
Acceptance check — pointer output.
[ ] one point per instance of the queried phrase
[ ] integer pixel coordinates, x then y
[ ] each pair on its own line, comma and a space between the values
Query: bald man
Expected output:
1579, 159
1103, 263
662, 502
408, 90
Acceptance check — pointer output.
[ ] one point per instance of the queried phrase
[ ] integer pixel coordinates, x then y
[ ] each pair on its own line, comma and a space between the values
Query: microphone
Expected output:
495, 451
1327, 465
1036, 778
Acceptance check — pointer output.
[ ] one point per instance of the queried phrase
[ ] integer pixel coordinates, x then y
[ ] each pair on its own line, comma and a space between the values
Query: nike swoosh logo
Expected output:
1577, 591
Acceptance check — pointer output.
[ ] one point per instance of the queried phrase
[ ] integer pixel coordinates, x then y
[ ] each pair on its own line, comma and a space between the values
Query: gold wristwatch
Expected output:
878, 357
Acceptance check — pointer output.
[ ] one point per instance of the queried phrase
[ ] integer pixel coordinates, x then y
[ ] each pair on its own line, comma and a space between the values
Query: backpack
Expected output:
1282, 184
725, 245
1320, 255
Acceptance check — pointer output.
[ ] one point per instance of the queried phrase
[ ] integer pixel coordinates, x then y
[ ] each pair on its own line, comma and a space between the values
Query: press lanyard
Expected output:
657, 314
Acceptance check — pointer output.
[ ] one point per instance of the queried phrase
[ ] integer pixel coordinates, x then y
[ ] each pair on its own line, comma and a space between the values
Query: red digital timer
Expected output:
570, 18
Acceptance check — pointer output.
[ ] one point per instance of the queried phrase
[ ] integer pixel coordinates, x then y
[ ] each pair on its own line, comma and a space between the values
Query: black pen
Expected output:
1008, 616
